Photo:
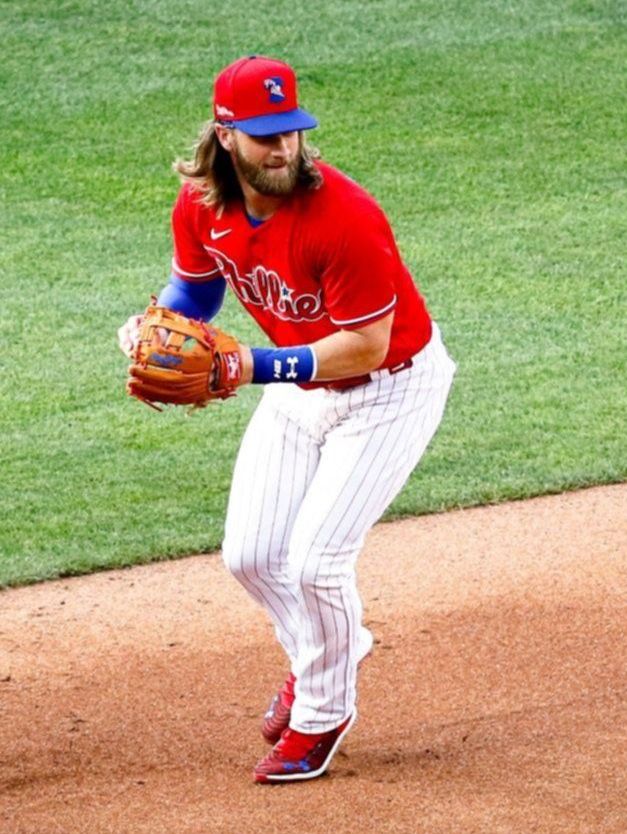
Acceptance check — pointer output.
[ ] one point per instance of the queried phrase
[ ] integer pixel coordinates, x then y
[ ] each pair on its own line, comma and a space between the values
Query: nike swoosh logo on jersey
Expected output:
217, 235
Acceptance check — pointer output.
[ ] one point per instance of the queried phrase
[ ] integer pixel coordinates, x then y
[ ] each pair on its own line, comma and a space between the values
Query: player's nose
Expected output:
282, 143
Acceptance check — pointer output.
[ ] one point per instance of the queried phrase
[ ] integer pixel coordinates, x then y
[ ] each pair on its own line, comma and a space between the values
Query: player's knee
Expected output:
245, 564
323, 570
234, 559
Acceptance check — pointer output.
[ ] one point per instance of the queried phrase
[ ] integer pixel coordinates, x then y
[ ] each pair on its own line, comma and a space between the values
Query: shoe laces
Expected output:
293, 745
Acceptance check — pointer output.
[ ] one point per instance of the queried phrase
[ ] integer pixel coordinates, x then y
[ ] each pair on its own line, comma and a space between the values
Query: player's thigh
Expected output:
363, 466
275, 464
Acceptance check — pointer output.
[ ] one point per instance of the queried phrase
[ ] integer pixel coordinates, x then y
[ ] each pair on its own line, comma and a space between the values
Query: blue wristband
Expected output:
292, 364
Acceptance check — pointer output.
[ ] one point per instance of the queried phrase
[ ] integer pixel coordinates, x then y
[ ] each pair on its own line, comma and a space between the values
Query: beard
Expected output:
276, 182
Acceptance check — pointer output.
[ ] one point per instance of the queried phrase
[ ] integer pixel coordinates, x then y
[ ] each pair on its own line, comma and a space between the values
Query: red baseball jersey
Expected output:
325, 261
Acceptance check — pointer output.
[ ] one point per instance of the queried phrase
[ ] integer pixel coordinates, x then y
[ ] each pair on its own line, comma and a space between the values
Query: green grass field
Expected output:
492, 133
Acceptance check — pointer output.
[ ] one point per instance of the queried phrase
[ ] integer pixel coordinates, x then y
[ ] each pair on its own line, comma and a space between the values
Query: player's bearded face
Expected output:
269, 165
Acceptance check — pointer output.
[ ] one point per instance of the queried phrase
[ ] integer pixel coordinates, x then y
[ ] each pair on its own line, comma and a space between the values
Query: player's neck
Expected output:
260, 206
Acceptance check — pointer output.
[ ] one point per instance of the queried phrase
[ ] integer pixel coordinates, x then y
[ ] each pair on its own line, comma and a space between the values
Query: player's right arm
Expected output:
345, 354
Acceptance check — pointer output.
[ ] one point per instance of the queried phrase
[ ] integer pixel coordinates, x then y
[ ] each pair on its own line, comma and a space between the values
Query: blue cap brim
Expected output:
276, 123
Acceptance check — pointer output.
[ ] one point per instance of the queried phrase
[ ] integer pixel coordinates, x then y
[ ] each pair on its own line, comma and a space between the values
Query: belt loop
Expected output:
402, 367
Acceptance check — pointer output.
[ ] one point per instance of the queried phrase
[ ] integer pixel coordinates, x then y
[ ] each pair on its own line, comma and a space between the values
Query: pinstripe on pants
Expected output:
316, 469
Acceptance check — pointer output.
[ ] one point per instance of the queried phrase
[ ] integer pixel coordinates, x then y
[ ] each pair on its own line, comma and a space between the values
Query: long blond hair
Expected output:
211, 171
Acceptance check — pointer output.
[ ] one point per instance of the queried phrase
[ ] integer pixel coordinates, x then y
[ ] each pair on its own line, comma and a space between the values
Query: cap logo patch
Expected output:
224, 112
274, 86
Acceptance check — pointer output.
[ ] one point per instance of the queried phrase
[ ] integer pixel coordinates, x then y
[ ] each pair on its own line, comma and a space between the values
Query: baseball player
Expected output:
354, 388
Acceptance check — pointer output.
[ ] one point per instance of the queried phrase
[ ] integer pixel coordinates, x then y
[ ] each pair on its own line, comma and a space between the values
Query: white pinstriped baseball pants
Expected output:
316, 469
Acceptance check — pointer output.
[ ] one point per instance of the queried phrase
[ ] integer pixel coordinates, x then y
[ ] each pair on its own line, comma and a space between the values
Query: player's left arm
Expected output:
198, 300
341, 355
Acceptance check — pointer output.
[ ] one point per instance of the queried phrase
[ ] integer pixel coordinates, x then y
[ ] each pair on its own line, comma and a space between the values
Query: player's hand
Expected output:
128, 334
180, 361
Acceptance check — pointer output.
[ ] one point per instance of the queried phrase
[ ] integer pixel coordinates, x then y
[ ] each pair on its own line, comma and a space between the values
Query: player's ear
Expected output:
225, 137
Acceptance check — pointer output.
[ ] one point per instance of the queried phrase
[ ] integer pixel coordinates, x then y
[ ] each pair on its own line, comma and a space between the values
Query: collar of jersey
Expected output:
255, 222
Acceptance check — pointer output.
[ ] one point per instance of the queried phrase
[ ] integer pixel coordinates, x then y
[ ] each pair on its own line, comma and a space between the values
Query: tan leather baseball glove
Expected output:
182, 361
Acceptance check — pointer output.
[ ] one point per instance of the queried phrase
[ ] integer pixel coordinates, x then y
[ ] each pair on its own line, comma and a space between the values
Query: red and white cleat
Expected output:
297, 756
277, 718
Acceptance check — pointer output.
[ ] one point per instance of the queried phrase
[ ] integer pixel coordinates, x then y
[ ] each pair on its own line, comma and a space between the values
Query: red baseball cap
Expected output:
259, 96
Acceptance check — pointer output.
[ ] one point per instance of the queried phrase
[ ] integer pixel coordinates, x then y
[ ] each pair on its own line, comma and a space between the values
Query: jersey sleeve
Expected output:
195, 299
358, 278
190, 261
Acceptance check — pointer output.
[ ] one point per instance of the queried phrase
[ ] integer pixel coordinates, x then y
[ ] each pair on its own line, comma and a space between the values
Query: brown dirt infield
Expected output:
495, 700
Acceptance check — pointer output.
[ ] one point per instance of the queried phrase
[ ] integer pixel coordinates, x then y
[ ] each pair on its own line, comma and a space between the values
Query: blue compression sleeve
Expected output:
291, 364
201, 300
